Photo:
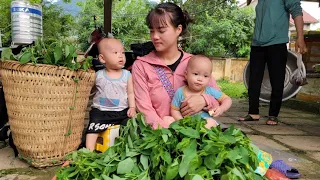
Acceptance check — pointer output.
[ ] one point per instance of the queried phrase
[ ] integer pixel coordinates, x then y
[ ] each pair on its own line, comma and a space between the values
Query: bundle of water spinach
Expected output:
186, 150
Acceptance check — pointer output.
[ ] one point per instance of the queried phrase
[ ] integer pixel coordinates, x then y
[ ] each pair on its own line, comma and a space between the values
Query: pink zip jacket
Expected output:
151, 97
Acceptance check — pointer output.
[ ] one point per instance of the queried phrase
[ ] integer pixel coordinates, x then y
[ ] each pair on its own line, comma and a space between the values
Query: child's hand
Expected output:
210, 123
131, 112
218, 111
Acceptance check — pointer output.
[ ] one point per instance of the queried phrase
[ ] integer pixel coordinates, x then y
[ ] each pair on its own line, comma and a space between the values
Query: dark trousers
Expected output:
275, 56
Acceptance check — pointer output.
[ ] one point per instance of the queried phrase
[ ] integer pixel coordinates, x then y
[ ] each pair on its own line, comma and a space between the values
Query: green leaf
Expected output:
106, 158
197, 177
134, 122
184, 165
57, 54
74, 155
6, 54
195, 163
142, 120
166, 157
143, 176
85, 66
229, 131
165, 138
233, 155
172, 170
132, 154
136, 169
130, 142
183, 144
165, 131
203, 172
215, 171
151, 144
117, 178
191, 148
209, 162
225, 177
125, 166
105, 177
74, 55
73, 174
236, 172
66, 50
25, 58
220, 158
189, 153
175, 125
190, 132
255, 148
229, 139
155, 159
144, 161
245, 155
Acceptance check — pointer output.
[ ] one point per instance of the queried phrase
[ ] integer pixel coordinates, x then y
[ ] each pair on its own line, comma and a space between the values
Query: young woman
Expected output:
157, 75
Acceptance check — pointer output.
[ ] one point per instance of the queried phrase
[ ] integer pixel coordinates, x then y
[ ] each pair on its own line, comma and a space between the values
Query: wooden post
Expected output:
107, 16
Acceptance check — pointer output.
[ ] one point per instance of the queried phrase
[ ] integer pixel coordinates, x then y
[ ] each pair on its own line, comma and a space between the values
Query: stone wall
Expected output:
231, 69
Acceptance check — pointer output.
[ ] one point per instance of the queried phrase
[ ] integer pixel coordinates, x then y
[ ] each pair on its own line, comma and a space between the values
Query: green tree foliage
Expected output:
43, 1
85, 20
220, 29
128, 20
5, 22
56, 24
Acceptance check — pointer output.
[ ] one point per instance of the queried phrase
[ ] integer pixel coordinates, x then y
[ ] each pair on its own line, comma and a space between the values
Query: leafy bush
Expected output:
224, 32
58, 53
234, 90
187, 150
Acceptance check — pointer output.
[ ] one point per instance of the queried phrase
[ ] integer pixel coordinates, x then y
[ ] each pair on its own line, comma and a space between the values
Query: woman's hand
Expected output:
192, 105
168, 120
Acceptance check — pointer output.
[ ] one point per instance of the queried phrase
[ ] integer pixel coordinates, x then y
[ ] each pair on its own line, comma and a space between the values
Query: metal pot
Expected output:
289, 90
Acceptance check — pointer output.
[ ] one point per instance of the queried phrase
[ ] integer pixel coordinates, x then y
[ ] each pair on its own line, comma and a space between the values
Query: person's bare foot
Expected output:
250, 117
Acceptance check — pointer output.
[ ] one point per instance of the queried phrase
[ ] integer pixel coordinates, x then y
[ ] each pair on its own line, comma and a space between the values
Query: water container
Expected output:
26, 22
289, 90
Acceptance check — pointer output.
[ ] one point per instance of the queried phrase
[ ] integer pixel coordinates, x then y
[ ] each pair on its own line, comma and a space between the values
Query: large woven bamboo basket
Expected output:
46, 107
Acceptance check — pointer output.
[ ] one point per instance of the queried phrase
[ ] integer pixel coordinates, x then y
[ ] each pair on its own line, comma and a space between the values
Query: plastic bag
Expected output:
274, 174
265, 159
298, 77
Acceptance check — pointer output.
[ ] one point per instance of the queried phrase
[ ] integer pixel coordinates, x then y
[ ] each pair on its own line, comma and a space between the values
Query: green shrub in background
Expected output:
234, 90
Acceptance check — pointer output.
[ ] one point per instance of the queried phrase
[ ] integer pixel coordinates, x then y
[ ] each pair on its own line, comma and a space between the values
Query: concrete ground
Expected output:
296, 140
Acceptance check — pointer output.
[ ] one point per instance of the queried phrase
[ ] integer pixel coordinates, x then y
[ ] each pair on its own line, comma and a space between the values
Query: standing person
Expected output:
114, 100
198, 73
159, 74
269, 47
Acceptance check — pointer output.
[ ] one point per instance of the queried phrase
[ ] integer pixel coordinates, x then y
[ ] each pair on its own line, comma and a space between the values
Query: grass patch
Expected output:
234, 90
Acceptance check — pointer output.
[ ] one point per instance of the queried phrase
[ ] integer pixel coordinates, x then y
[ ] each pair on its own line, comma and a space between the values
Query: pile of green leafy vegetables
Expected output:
59, 53
186, 150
